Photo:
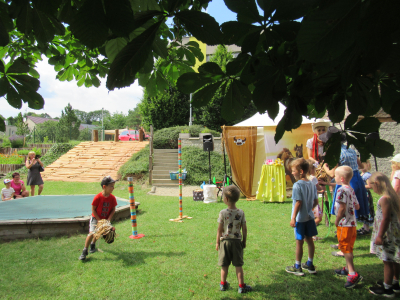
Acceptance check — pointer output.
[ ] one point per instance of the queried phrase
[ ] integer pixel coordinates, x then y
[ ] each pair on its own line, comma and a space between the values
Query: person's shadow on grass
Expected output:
139, 257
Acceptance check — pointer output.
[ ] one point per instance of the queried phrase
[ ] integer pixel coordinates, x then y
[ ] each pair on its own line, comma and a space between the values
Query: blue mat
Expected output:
49, 207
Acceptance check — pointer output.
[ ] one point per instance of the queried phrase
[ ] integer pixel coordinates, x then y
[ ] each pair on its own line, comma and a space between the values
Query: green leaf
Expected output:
336, 108
27, 82
236, 66
151, 86
197, 53
114, 46
241, 92
20, 65
291, 9
212, 68
333, 150
4, 37
280, 130
367, 125
380, 148
145, 16
350, 121
189, 56
143, 79
34, 100
34, 73
204, 96
48, 7
246, 10
25, 19
95, 80
202, 26
43, 28
4, 86
2, 69
81, 81
88, 82
389, 94
13, 98
162, 84
329, 31
160, 47
2, 125
235, 32
251, 41
191, 82
3, 52
231, 108
119, 16
90, 24
131, 59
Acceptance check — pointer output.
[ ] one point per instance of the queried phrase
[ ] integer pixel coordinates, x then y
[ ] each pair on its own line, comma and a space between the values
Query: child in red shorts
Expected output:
345, 205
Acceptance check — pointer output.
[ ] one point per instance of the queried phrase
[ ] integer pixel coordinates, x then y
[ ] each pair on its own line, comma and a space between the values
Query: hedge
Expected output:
167, 138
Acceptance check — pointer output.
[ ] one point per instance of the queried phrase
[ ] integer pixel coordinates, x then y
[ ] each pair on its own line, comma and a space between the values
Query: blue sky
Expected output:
58, 94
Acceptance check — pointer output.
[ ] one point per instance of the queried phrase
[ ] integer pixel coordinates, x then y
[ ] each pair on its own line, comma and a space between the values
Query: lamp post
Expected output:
102, 124
190, 120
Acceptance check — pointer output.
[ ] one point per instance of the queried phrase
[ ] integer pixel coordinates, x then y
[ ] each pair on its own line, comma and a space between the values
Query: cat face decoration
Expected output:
239, 142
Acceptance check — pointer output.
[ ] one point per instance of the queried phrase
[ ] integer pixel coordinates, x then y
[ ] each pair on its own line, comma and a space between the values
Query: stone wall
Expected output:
390, 132
197, 142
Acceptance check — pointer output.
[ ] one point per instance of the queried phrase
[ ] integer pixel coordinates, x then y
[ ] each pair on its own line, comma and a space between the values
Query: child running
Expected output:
230, 241
345, 205
304, 200
385, 239
8, 192
395, 176
103, 207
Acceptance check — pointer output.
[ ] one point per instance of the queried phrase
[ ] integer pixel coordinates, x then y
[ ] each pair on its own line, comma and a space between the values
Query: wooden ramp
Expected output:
91, 161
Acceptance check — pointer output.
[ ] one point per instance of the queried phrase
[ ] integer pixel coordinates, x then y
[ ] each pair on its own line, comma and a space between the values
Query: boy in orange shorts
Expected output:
345, 205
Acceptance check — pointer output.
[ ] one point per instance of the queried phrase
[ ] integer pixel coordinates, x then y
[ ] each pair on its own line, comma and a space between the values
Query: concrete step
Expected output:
164, 166
166, 151
161, 172
161, 176
165, 160
165, 181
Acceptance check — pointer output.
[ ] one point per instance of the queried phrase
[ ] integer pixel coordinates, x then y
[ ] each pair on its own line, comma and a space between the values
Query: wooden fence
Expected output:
4, 169
9, 151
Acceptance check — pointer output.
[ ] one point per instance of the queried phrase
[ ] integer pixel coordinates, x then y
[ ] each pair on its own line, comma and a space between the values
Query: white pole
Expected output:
102, 125
190, 120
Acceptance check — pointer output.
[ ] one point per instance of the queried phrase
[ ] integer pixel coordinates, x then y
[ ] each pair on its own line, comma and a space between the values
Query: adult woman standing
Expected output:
34, 178
19, 187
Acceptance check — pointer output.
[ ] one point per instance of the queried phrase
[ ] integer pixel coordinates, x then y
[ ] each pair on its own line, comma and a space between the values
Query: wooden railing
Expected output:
4, 169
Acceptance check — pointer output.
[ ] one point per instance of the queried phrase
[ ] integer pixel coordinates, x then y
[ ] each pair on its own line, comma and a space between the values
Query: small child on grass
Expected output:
231, 239
7, 193
103, 207
305, 198
345, 205
385, 240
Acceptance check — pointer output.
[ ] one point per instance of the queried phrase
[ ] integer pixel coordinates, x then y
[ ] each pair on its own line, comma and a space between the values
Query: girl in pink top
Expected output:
19, 187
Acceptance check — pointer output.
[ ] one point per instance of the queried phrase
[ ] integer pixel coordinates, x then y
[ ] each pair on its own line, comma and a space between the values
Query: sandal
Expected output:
334, 253
316, 238
335, 246
364, 232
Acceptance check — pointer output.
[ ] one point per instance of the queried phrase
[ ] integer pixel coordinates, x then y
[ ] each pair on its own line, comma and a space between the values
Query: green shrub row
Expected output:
137, 164
195, 161
52, 155
26, 151
167, 138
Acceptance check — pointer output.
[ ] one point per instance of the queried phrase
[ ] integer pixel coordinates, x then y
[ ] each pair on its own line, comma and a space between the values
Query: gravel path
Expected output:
187, 191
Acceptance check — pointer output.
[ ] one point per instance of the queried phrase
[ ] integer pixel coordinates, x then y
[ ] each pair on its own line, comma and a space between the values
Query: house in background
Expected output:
10, 130
33, 121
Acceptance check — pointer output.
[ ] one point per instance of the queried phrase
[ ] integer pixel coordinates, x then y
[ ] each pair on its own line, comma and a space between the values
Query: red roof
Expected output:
38, 120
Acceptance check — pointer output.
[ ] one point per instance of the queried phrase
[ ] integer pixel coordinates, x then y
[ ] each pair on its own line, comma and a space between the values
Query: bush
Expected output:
6, 142
167, 138
17, 141
195, 161
25, 152
52, 155
137, 164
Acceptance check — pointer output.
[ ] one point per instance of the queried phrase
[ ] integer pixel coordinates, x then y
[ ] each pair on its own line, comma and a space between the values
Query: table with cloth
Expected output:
272, 184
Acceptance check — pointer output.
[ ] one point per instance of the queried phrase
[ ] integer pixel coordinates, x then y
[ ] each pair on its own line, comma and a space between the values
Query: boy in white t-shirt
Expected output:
7, 193
345, 206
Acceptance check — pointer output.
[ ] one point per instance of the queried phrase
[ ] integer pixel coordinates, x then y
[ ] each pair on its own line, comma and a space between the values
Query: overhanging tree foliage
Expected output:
311, 55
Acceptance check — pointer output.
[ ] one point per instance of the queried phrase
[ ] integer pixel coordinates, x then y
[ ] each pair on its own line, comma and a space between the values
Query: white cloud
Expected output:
58, 94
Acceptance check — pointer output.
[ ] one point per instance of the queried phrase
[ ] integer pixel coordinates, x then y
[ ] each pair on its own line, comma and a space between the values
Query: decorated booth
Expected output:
253, 154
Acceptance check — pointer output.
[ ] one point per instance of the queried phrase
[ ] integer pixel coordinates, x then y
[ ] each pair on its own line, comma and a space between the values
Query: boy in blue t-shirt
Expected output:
305, 198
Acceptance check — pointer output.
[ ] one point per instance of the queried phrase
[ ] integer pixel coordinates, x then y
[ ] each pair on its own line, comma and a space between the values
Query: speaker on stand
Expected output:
208, 145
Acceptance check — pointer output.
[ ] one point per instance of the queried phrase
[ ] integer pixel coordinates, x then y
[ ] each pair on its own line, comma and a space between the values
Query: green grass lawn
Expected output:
177, 260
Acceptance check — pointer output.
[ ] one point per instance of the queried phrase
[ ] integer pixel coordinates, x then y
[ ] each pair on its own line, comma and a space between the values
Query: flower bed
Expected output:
13, 159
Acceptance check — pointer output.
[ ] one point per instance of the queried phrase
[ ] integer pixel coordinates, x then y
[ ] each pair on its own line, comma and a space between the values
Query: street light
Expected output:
102, 124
